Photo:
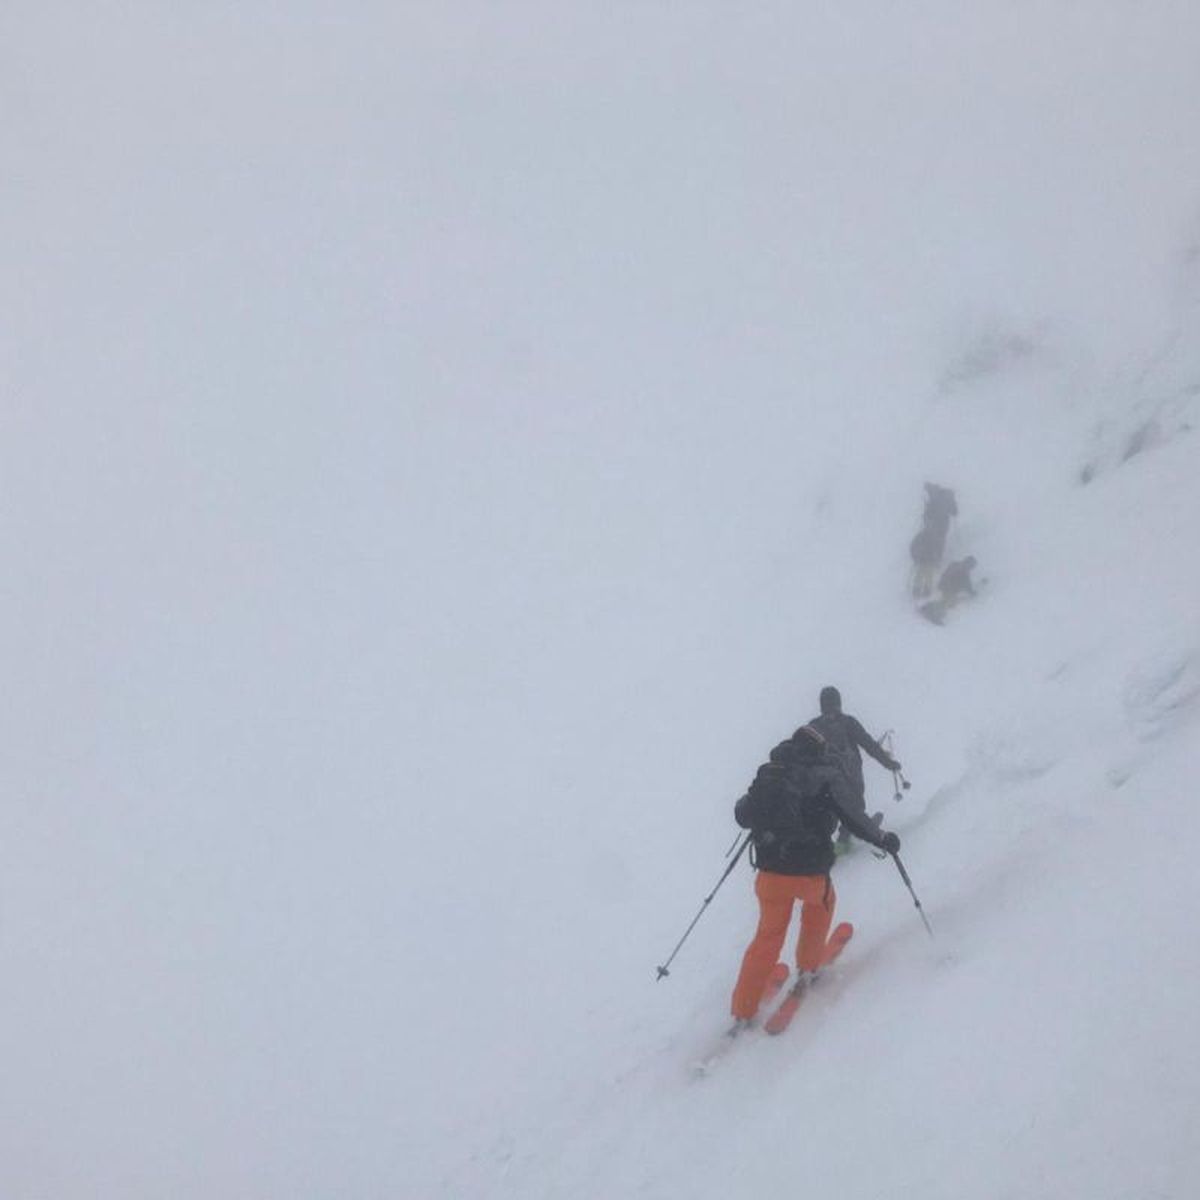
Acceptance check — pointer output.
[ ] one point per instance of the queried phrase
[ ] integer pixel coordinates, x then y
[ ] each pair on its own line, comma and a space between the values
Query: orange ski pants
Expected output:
776, 896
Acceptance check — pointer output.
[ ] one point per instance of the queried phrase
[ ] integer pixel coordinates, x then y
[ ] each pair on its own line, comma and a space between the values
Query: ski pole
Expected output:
908, 884
898, 780
663, 970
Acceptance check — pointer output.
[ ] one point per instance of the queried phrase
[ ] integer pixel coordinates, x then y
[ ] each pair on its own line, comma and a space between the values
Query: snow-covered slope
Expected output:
444, 447
1040, 1044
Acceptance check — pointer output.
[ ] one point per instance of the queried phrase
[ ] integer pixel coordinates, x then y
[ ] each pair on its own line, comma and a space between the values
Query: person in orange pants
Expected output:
777, 894
792, 808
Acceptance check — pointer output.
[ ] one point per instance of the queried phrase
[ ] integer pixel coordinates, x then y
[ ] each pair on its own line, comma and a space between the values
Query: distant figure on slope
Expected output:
926, 551
928, 547
955, 582
940, 506
954, 585
792, 809
845, 737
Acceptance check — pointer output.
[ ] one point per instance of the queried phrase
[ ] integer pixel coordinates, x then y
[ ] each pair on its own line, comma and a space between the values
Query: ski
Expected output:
775, 984
781, 1018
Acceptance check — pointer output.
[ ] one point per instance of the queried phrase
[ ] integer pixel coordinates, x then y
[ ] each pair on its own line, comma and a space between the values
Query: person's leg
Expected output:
817, 899
855, 800
776, 896
923, 580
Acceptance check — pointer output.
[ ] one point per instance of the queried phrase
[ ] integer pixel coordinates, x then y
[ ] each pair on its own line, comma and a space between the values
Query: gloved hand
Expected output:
891, 843
895, 766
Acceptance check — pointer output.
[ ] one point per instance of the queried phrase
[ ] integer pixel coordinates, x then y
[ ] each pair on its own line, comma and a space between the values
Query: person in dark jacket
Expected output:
926, 550
929, 545
792, 809
940, 506
955, 585
846, 737
955, 582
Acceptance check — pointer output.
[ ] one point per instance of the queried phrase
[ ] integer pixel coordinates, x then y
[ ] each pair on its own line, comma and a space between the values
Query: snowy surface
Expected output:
443, 449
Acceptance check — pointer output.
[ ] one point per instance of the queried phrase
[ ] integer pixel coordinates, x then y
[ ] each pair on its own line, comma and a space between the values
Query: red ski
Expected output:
781, 1018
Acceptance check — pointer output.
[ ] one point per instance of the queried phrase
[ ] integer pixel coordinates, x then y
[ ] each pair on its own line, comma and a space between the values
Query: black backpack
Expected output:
787, 832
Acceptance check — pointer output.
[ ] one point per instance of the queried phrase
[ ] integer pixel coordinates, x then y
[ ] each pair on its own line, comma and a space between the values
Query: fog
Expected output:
430, 434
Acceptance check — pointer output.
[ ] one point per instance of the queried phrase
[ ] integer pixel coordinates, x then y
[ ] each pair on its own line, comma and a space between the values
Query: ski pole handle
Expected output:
898, 780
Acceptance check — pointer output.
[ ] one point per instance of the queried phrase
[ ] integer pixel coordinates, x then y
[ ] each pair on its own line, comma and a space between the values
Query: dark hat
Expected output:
831, 700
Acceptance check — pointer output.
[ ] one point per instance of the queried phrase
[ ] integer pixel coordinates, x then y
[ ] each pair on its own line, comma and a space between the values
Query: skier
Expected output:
845, 737
792, 809
928, 547
954, 585
955, 582
940, 505
926, 550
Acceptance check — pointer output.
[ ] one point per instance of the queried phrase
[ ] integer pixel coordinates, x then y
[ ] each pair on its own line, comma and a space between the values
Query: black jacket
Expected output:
846, 737
956, 580
940, 506
792, 810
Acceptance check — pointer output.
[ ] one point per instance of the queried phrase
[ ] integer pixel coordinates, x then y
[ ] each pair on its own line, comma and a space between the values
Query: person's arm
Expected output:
866, 742
861, 829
